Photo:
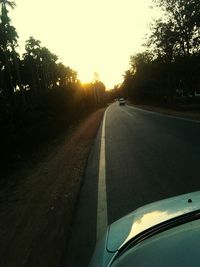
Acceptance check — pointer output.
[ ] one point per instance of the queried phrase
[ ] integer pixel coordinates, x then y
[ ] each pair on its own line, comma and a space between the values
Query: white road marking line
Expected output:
102, 220
127, 112
166, 115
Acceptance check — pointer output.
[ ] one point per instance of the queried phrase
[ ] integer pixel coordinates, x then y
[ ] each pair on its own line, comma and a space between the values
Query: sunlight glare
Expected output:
89, 35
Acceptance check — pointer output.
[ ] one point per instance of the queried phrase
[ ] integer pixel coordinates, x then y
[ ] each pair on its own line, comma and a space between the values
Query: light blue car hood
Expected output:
147, 216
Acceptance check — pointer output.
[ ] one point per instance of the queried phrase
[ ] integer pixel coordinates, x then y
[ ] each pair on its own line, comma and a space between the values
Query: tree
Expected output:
30, 67
179, 28
164, 41
8, 56
39, 68
6, 3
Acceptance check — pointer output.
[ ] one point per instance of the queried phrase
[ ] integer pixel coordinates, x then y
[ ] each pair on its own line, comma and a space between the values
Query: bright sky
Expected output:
88, 35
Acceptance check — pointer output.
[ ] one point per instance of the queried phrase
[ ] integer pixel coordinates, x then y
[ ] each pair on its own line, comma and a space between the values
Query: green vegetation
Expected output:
168, 72
39, 96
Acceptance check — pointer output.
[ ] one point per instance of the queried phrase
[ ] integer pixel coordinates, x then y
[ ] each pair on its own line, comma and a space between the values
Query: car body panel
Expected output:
101, 256
149, 215
178, 246
135, 223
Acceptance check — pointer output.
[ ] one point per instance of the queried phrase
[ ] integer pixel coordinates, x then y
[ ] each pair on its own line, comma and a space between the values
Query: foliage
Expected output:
26, 82
39, 96
171, 60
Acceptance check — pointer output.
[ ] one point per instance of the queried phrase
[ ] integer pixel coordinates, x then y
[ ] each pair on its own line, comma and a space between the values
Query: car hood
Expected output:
148, 216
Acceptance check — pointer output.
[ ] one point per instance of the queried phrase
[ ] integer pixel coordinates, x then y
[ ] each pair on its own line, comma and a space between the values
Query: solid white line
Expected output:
166, 115
102, 220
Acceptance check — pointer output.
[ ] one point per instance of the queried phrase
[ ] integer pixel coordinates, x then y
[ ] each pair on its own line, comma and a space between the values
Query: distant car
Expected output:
164, 233
122, 101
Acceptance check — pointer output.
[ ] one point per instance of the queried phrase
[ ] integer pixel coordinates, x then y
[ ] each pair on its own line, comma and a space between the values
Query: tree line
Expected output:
39, 95
27, 82
168, 71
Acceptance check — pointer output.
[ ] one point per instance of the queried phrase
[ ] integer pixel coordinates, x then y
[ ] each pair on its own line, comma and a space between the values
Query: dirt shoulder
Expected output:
36, 212
190, 114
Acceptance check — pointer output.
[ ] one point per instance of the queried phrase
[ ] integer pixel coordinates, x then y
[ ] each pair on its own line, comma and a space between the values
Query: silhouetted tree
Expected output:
178, 30
172, 58
8, 55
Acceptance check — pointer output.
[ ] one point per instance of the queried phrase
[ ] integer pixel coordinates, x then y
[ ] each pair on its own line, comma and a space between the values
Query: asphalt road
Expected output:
148, 157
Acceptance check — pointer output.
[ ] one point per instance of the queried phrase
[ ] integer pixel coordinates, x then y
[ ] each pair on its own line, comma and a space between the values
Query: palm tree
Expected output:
6, 3
8, 40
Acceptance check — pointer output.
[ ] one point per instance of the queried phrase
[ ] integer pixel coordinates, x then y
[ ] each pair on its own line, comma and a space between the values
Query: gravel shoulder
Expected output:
37, 211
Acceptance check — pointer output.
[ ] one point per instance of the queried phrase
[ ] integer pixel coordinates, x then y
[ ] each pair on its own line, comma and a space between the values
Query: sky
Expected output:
87, 35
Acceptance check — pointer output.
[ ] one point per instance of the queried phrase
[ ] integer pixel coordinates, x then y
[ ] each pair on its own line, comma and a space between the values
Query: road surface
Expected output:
138, 157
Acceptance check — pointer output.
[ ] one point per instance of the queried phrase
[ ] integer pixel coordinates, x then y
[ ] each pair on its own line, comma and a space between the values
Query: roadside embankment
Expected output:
190, 112
36, 210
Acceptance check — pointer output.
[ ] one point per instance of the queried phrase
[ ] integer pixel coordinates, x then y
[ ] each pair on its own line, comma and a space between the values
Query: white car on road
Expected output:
122, 101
